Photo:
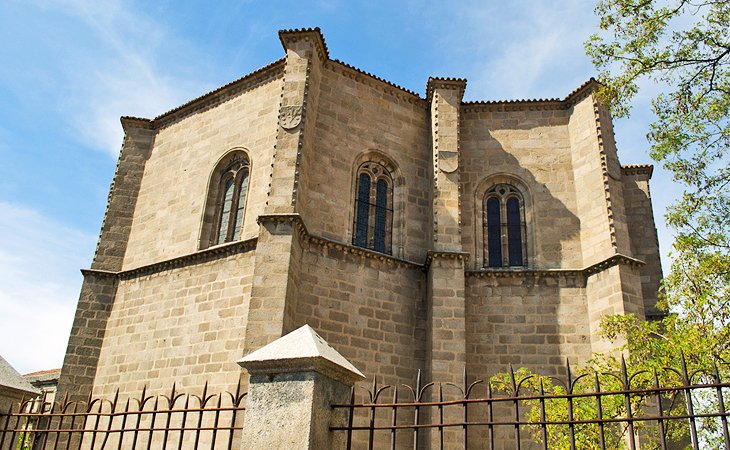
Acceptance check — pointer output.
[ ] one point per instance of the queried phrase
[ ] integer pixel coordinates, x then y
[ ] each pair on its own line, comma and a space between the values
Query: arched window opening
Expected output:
494, 230
373, 226
504, 227
514, 232
363, 210
226, 203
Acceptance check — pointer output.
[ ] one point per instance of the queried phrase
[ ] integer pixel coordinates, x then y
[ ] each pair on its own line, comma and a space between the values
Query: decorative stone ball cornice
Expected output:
223, 93
289, 37
129, 122
637, 169
433, 83
585, 272
615, 260
582, 91
346, 249
540, 104
455, 256
373, 80
514, 105
209, 254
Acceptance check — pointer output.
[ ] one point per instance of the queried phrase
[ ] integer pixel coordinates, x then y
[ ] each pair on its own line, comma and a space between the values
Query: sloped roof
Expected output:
43, 376
10, 378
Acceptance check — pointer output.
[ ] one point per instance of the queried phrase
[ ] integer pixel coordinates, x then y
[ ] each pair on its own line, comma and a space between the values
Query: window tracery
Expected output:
373, 218
226, 203
504, 227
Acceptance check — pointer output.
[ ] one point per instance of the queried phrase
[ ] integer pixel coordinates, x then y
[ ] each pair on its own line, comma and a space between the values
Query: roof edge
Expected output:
292, 35
198, 102
637, 169
433, 83
400, 88
587, 87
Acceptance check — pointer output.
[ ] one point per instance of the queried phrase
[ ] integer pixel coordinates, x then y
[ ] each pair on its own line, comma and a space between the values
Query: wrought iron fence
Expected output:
666, 408
177, 420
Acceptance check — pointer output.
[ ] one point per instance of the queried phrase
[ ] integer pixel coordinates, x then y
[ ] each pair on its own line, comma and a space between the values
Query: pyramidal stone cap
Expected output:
302, 350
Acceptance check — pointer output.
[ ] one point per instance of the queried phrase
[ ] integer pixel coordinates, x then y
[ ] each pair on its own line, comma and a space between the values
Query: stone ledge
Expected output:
433, 255
374, 81
584, 272
637, 169
288, 37
325, 243
218, 96
209, 254
433, 83
298, 225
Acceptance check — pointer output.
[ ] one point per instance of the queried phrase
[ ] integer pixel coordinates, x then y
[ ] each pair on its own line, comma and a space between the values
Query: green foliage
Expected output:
601, 375
684, 46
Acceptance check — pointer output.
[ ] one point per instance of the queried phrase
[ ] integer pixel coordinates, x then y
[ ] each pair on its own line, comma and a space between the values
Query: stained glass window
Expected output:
504, 227
373, 222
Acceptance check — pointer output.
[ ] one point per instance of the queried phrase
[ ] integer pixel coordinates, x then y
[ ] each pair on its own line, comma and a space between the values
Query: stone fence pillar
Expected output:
293, 382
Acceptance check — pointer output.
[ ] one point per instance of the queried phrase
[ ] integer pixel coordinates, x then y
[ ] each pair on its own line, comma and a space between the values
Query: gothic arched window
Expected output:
373, 218
504, 227
226, 204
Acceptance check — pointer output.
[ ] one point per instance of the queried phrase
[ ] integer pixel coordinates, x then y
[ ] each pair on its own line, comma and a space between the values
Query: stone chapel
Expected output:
412, 232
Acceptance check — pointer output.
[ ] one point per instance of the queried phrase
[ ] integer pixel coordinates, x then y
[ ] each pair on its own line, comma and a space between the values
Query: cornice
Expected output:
611, 261
217, 96
233, 248
136, 122
637, 169
582, 91
279, 218
431, 256
288, 37
348, 249
584, 272
433, 83
310, 239
99, 273
374, 81
514, 105
209, 254
541, 104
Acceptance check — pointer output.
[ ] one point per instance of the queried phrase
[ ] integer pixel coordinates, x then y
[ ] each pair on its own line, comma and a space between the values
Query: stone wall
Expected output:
183, 325
613, 290
527, 320
591, 178
80, 364
644, 242
169, 211
531, 145
357, 115
369, 309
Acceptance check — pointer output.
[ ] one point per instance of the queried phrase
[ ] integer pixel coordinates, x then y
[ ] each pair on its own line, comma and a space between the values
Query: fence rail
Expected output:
658, 409
177, 420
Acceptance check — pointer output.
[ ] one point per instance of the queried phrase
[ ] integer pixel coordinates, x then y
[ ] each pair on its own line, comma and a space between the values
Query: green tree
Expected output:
684, 47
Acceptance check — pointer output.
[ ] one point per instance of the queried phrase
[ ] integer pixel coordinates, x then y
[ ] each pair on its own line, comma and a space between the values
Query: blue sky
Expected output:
71, 68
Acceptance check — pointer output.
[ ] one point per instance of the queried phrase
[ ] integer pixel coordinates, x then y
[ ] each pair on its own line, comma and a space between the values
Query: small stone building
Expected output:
14, 390
410, 231
46, 381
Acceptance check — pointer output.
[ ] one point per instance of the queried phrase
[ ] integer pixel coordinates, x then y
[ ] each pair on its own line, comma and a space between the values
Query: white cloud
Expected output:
519, 56
39, 286
120, 69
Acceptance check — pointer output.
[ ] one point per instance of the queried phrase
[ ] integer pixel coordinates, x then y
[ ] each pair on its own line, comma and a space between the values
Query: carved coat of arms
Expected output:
291, 116
448, 161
